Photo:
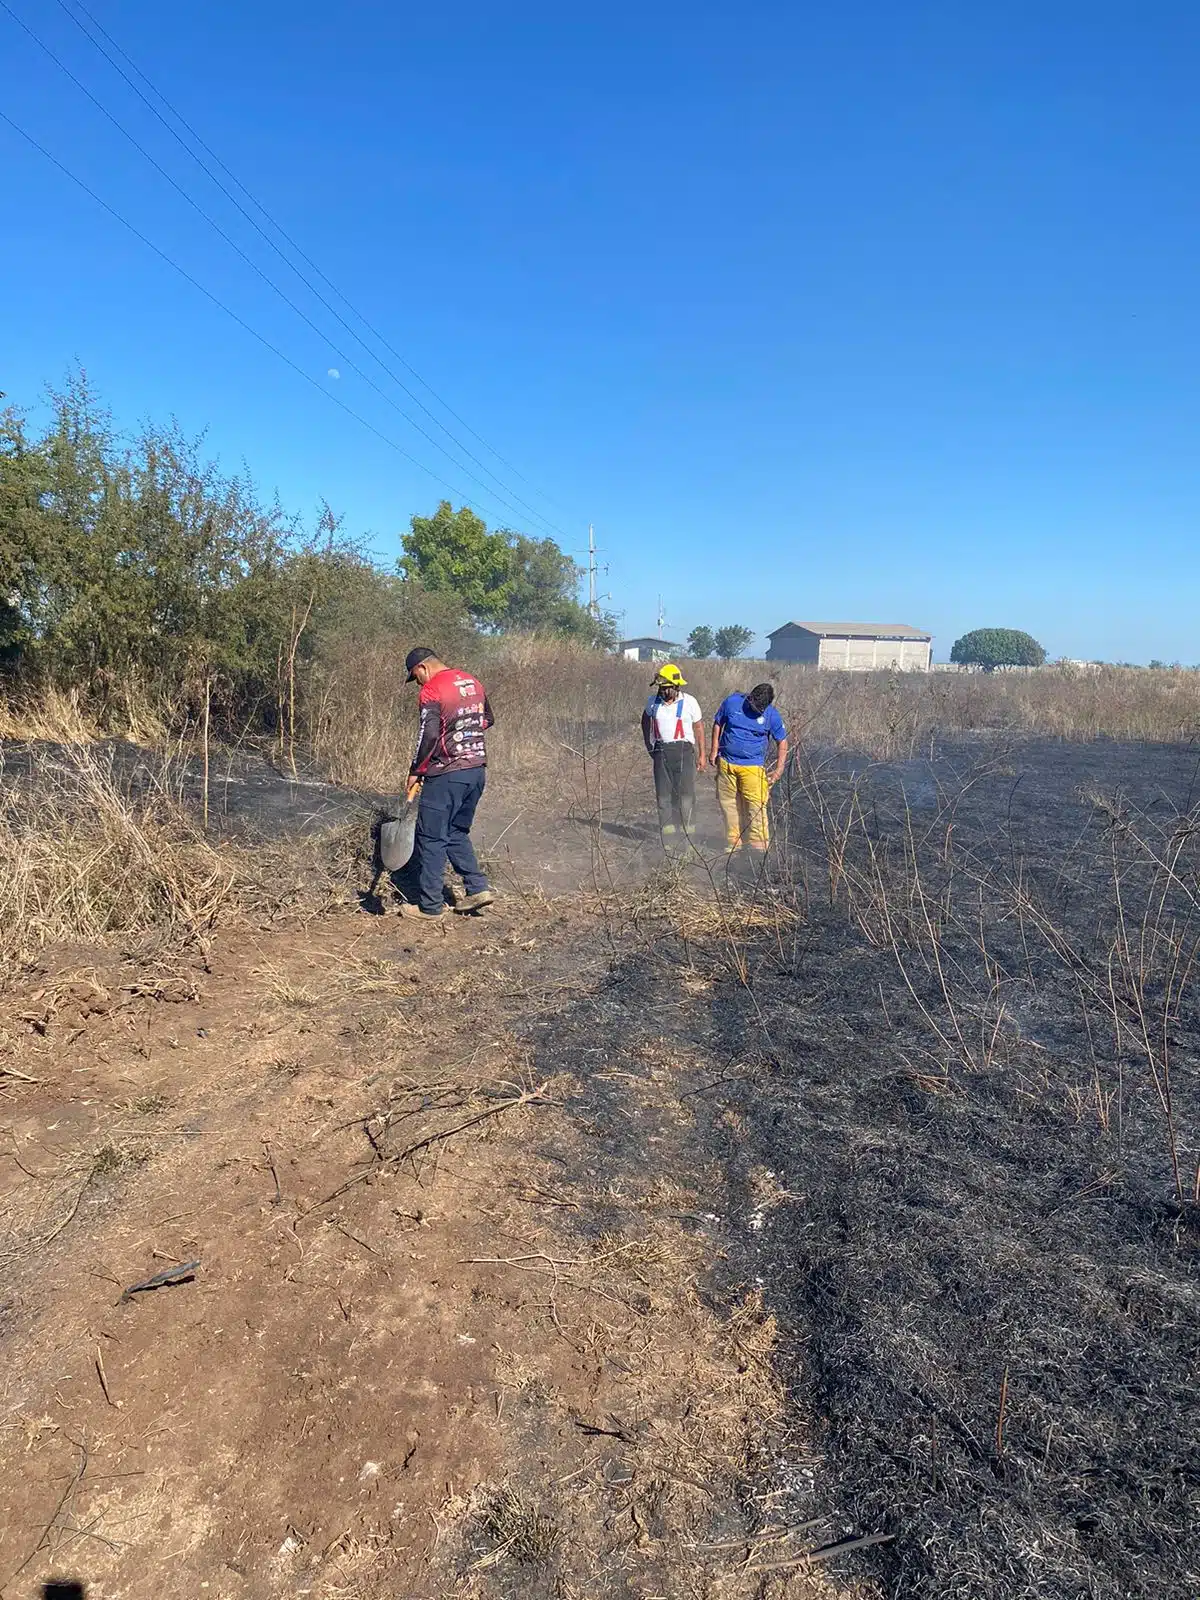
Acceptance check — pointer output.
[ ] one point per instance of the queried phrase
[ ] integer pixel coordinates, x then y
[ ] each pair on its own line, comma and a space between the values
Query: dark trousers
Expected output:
444, 818
675, 790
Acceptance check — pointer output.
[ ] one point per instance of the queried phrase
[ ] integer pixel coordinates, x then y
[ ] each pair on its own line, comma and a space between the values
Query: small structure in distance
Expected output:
852, 646
649, 649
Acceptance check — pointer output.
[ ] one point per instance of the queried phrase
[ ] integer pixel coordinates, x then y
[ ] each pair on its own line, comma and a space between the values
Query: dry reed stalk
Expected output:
909, 890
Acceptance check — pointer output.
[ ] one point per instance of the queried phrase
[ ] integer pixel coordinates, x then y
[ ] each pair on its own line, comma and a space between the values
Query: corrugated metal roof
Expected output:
659, 644
857, 630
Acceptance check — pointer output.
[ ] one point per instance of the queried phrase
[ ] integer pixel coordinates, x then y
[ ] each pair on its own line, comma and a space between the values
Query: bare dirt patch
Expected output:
413, 1330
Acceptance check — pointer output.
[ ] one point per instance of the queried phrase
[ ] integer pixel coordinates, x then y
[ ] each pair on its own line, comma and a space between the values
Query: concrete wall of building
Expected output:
851, 655
874, 655
801, 647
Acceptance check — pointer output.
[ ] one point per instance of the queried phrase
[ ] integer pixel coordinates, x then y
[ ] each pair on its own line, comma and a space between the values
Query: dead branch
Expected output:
527, 1097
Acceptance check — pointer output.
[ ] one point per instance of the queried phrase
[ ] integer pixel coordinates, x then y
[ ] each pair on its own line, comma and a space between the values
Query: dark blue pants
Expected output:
444, 818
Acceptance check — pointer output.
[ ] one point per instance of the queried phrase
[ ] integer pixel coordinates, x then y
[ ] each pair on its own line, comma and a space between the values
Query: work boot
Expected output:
413, 913
475, 902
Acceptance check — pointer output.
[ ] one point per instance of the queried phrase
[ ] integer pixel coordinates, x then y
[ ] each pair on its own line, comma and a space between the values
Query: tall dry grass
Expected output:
81, 858
90, 852
550, 700
89, 859
357, 717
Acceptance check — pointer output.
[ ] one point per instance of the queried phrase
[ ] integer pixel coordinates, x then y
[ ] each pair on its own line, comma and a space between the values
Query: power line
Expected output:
267, 279
282, 231
228, 310
250, 262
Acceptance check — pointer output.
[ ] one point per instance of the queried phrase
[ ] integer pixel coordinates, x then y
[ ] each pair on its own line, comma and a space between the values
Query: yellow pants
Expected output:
743, 793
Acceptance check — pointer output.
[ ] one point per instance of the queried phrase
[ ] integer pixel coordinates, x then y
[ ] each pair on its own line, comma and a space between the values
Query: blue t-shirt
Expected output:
743, 735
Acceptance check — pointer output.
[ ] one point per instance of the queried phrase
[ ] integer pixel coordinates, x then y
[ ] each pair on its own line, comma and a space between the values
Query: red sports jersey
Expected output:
454, 717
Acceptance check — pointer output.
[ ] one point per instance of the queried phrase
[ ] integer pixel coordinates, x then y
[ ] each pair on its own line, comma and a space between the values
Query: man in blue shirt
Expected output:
742, 729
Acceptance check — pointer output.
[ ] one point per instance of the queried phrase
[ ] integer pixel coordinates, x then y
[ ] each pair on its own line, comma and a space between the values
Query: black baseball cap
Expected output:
414, 658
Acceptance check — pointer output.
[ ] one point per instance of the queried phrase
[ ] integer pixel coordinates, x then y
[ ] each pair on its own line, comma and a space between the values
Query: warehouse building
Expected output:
852, 646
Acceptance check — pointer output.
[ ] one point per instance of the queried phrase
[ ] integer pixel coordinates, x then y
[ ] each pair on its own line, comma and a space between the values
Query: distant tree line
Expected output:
133, 568
727, 642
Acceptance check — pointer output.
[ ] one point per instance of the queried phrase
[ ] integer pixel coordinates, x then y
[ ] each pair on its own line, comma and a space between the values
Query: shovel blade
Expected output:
397, 836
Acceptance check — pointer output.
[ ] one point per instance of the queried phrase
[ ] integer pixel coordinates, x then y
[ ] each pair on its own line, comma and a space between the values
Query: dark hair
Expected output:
760, 697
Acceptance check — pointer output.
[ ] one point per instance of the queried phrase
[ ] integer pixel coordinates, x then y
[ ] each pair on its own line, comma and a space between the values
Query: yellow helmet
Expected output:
670, 673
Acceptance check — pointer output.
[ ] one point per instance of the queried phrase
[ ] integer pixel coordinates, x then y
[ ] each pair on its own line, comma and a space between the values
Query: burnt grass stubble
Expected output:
992, 1290
987, 1281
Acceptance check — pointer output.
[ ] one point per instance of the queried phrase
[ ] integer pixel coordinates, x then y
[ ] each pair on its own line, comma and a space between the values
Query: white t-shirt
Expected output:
676, 718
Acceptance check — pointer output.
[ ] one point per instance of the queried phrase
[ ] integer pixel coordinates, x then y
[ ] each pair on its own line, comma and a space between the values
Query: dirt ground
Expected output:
448, 1307
641, 1237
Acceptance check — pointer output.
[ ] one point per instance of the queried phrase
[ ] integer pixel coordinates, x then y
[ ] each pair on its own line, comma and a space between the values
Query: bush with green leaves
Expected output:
132, 569
990, 648
133, 565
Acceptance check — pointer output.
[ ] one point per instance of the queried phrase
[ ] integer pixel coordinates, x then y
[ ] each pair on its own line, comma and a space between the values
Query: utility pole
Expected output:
594, 569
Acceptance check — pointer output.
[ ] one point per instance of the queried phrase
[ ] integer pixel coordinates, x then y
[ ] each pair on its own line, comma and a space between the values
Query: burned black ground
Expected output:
987, 1275
991, 1277
249, 795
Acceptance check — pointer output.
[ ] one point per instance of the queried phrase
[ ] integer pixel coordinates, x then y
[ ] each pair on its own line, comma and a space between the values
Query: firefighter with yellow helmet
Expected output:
673, 729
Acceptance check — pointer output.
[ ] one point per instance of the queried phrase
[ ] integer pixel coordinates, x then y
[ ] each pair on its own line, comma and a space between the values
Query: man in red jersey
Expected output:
448, 772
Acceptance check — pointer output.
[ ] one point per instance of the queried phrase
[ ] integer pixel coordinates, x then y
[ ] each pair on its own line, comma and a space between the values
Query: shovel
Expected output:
397, 836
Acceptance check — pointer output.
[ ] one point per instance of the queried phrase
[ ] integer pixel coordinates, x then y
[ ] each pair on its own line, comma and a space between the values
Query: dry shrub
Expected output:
516, 1528
80, 859
132, 710
550, 701
50, 714
86, 853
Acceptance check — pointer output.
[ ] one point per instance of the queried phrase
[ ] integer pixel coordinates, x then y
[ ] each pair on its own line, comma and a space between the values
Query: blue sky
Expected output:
881, 311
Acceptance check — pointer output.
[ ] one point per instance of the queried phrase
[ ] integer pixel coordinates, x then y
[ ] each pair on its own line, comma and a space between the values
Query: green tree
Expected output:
505, 580
23, 535
990, 648
541, 581
541, 593
133, 570
730, 641
701, 642
453, 550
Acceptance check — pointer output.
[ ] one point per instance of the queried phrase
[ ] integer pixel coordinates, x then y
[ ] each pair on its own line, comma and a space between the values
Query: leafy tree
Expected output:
730, 641
540, 581
701, 642
453, 550
990, 648
23, 534
134, 571
542, 584
506, 580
